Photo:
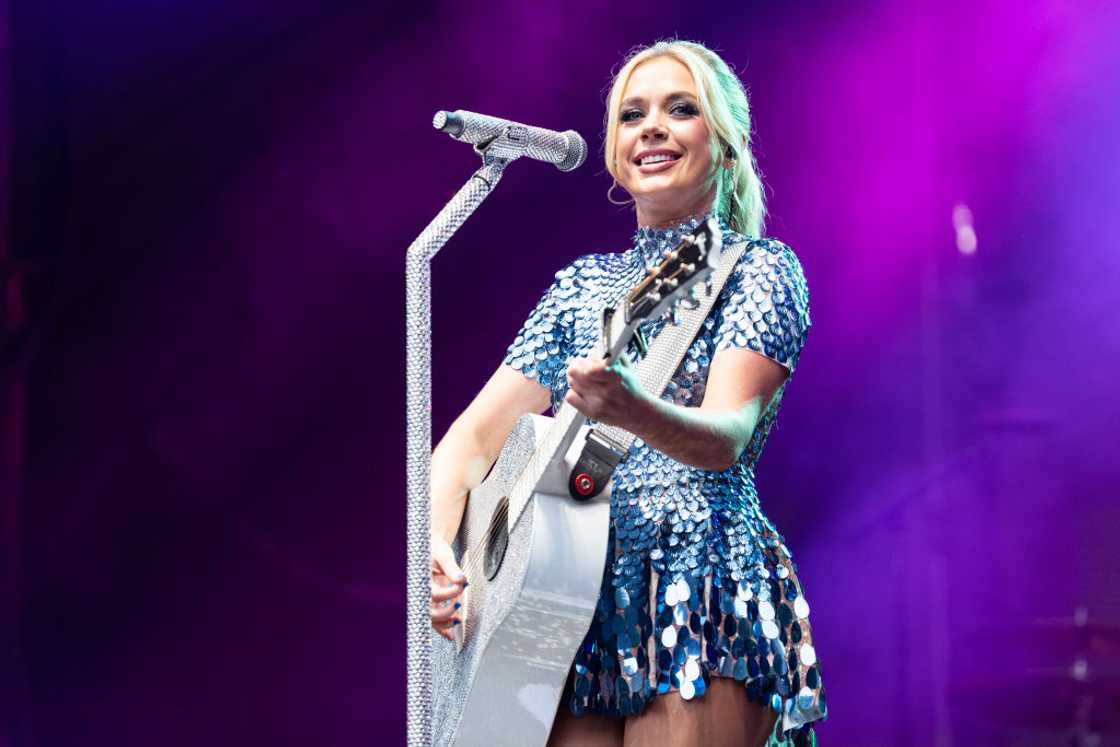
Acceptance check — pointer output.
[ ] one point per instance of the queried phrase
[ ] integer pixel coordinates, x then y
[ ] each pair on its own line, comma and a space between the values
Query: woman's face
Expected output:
662, 154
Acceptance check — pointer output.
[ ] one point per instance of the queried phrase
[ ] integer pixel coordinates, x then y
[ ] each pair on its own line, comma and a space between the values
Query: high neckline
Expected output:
653, 243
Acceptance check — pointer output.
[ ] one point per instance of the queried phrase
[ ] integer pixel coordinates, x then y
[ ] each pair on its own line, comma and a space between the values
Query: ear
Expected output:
729, 152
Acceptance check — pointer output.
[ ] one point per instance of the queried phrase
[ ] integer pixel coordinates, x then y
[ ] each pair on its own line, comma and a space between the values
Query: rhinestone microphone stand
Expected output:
508, 142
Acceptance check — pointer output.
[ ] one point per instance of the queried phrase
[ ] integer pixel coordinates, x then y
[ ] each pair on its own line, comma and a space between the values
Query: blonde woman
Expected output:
701, 635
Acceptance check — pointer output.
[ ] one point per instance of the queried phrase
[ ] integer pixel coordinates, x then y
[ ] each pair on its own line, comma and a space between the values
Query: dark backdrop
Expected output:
207, 209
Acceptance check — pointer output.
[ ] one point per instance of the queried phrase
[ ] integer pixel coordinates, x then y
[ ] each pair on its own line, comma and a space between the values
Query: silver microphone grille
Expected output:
577, 151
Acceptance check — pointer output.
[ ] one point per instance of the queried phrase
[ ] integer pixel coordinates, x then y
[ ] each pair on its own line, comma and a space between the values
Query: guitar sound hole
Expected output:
498, 540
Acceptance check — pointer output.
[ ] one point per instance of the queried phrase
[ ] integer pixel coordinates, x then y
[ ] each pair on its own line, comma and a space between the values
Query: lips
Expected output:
655, 157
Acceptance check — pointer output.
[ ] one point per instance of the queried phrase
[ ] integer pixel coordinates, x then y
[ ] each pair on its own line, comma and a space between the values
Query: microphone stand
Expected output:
496, 154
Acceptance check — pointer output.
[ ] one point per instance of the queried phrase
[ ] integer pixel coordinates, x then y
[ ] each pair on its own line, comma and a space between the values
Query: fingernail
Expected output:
465, 583
457, 605
456, 622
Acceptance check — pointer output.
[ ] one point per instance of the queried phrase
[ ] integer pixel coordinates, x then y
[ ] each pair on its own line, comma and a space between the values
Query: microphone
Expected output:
565, 149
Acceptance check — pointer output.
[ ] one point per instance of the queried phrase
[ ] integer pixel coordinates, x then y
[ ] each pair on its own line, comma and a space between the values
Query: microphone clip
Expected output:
508, 145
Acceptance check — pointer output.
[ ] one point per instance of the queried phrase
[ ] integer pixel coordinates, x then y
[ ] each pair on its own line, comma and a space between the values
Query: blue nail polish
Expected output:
457, 605
456, 622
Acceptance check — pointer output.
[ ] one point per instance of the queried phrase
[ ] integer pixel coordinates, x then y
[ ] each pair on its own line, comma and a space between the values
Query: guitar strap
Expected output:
607, 445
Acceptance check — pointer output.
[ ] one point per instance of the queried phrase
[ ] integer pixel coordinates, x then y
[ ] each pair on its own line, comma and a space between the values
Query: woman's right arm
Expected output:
459, 463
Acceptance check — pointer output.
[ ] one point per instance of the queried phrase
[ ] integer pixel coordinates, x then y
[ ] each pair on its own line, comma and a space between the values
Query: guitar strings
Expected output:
548, 443
476, 552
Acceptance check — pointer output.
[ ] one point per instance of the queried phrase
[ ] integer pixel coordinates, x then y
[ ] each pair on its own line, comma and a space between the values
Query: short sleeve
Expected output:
765, 304
544, 343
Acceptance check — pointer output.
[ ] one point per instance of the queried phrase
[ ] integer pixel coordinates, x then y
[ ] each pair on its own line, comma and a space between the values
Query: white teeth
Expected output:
646, 161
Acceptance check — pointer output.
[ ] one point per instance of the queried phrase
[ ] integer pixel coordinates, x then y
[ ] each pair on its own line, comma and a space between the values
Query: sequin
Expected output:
582, 686
785, 615
769, 629
691, 669
804, 698
671, 595
687, 690
723, 596
740, 670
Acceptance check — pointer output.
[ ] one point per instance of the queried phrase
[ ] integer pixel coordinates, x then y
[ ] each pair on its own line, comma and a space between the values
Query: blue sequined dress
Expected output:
699, 584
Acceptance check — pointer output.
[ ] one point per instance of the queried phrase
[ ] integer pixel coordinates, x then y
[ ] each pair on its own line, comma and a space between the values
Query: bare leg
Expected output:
590, 730
722, 717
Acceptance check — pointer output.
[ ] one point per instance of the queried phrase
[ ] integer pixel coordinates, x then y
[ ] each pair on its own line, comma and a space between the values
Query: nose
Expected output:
652, 129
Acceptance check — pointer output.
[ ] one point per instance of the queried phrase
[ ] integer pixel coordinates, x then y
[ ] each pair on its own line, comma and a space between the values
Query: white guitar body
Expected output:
501, 682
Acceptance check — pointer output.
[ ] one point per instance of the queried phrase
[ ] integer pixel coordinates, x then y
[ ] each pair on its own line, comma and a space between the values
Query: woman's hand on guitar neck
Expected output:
610, 394
448, 583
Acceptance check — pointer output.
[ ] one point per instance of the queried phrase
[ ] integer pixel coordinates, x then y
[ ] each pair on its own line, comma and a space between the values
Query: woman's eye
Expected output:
630, 115
688, 110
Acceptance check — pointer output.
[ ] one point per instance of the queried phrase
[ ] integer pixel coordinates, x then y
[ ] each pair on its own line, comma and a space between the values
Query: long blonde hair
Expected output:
723, 102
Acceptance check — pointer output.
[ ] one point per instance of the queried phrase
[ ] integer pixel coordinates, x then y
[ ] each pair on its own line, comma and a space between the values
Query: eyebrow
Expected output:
675, 95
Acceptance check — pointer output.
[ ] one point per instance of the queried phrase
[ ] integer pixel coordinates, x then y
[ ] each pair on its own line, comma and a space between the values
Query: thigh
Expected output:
590, 730
722, 716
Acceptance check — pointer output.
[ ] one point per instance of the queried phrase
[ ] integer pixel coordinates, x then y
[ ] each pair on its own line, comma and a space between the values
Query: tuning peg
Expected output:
690, 301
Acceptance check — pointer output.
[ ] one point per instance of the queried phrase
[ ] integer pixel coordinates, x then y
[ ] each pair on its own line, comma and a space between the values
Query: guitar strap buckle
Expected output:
596, 464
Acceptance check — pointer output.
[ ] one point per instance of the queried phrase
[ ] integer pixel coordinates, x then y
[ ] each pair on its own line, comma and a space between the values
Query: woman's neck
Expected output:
650, 216
674, 221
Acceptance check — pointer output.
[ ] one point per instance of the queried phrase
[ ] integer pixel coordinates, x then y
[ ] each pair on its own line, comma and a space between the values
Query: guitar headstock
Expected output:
667, 285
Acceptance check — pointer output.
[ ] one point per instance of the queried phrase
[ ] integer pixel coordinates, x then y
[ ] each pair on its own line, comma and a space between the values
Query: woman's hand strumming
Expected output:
448, 582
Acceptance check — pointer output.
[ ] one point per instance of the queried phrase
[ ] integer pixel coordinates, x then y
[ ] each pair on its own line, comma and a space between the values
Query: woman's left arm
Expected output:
740, 385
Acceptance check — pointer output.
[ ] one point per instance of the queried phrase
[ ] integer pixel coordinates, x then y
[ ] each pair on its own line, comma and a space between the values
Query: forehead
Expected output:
659, 76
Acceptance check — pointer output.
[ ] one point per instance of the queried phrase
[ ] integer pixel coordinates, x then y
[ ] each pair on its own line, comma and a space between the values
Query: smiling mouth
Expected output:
657, 158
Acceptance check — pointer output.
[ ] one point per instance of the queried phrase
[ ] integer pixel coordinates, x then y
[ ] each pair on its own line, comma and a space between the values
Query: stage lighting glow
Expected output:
966, 234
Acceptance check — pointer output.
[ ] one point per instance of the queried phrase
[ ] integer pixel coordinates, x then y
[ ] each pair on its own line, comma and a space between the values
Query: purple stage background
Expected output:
208, 205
